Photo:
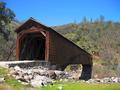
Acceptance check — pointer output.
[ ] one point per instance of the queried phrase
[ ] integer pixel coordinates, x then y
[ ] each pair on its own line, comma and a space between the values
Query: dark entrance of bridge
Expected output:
32, 47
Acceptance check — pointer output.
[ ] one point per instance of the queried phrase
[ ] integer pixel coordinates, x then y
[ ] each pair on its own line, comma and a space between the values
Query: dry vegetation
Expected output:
101, 39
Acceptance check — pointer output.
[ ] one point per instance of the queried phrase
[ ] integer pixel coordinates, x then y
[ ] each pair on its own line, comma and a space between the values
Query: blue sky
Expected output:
58, 12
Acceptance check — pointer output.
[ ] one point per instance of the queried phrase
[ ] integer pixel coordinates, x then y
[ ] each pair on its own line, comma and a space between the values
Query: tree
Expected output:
102, 19
6, 16
85, 20
7, 40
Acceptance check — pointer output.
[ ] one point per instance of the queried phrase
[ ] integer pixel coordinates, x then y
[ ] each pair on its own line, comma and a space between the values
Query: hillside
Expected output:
101, 39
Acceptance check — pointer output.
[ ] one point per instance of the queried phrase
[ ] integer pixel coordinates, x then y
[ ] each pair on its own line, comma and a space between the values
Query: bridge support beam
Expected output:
86, 72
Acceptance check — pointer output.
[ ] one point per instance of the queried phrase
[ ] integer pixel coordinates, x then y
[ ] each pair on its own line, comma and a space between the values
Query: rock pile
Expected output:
40, 76
37, 76
104, 80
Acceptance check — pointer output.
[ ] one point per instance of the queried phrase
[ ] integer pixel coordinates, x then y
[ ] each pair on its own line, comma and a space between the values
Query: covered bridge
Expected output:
36, 41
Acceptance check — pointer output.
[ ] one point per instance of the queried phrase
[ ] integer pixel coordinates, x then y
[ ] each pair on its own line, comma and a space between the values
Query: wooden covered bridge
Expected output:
36, 41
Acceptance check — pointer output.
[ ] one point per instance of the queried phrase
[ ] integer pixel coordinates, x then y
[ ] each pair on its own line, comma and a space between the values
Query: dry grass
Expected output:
5, 87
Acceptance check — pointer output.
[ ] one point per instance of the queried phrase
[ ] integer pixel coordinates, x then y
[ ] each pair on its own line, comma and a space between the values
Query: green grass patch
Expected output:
3, 71
15, 84
10, 81
82, 86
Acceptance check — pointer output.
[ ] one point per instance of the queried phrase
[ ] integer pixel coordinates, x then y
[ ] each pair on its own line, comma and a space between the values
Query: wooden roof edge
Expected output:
30, 19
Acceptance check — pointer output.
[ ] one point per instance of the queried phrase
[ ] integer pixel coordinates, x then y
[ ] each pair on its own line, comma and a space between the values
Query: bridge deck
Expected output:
23, 64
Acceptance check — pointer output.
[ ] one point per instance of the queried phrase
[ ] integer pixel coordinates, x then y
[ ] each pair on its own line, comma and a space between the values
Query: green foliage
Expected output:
6, 16
7, 34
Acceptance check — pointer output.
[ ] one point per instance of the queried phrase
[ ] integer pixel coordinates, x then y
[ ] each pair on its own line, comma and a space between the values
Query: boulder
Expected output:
13, 72
115, 80
52, 75
17, 68
106, 80
26, 78
61, 74
18, 77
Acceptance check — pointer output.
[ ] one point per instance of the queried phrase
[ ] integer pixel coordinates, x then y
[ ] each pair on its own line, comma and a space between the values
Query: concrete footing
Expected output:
23, 64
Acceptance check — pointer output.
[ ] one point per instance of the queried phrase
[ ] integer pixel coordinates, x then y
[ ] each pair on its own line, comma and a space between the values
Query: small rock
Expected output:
61, 74
61, 80
17, 68
2, 79
18, 77
98, 80
24, 83
106, 80
52, 75
19, 81
115, 80
91, 80
30, 77
82, 81
13, 72
65, 80
60, 87
58, 72
29, 71
35, 83
26, 78
118, 80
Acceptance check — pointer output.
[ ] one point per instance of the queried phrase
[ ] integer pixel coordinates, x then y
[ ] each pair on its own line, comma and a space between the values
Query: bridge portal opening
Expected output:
32, 47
